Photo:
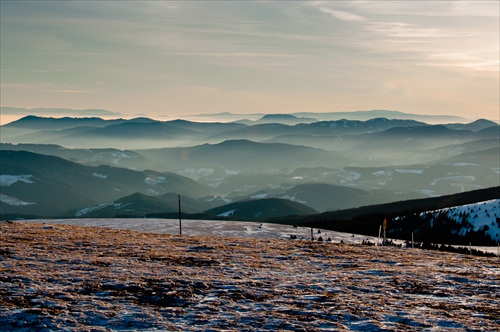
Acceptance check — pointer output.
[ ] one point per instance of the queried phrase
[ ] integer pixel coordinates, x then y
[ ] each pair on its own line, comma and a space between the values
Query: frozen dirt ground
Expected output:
83, 278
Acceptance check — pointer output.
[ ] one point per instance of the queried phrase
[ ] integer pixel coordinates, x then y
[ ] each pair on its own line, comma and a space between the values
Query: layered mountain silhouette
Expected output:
34, 184
290, 164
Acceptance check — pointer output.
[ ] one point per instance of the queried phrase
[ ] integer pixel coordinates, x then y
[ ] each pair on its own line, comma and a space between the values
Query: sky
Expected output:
169, 59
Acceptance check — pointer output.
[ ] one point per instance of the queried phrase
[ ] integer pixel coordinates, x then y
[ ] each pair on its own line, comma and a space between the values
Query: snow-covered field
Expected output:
225, 228
63, 277
211, 228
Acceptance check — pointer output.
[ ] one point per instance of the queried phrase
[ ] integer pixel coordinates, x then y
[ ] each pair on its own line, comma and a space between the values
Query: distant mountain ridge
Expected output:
57, 111
143, 132
328, 116
46, 123
326, 164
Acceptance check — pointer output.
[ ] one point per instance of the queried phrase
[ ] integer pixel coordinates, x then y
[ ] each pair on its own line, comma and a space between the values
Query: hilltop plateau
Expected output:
74, 278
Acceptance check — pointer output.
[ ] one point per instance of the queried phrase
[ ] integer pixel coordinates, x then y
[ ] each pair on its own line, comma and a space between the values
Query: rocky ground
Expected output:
74, 278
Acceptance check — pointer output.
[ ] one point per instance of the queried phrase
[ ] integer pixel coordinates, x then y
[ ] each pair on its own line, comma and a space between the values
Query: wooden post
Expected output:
379, 231
180, 220
412, 242
385, 227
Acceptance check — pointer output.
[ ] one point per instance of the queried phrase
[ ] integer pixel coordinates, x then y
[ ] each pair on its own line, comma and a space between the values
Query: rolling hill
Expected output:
241, 155
34, 184
141, 205
435, 220
329, 164
260, 209
326, 197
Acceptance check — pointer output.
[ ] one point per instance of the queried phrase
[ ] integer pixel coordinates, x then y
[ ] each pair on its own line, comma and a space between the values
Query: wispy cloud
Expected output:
439, 8
435, 37
243, 54
342, 15
70, 91
409, 30
322, 53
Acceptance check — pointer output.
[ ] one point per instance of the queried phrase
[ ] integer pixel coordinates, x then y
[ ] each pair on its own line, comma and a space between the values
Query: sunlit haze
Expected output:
169, 59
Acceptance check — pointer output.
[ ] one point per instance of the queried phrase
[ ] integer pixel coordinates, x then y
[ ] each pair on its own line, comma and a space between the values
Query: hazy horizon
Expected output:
173, 59
225, 117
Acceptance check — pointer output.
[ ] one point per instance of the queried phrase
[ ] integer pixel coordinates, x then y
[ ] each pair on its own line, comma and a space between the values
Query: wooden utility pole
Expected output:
312, 230
385, 227
180, 220
379, 232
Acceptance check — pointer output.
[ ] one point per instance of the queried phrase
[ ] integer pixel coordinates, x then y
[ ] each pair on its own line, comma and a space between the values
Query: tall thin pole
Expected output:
379, 231
180, 220
385, 227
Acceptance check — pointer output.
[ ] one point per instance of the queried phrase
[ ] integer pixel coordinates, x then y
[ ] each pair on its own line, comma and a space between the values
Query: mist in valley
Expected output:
324, 165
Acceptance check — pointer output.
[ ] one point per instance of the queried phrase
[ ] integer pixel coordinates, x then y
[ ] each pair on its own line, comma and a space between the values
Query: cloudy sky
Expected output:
169, 58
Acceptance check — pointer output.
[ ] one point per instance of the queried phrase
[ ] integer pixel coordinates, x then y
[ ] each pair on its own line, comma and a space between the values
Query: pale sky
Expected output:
175, 58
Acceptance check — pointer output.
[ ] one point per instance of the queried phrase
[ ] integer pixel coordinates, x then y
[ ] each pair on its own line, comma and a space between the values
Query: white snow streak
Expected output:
7, 180
13, 201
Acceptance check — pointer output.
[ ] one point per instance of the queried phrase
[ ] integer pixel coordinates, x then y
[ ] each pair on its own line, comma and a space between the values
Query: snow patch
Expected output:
427, 192
410, 171
227, 213
458, 178
155, 180
382, 173
465, 164
118, 206
13, 201
297, 178
92, 208
349, 176
119, 155
7, 180
293, 198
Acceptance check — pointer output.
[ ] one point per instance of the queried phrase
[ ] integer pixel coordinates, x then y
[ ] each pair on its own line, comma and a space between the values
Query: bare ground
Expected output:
74, 278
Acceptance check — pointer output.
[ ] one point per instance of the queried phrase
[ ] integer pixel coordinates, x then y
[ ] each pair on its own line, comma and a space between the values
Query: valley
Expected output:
271, 167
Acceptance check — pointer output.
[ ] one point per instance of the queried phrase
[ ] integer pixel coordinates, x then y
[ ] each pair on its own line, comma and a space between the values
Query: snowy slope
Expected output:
479, 216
